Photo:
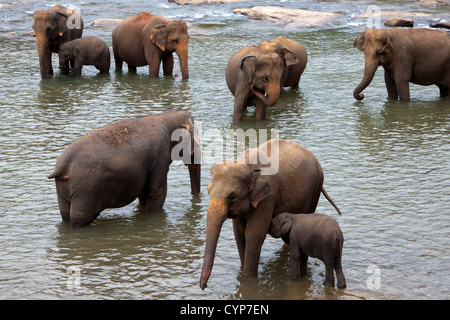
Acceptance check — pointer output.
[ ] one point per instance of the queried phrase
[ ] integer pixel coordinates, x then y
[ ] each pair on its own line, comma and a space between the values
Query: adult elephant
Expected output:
420, 56
112, 166
147, 39
242, 190
53, 27
255, 75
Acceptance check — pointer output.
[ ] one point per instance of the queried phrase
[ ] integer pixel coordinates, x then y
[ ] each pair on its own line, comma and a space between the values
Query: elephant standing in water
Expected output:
146, 39
53, 27
276, 177
420, 56
255, 75
112, 166
311, 235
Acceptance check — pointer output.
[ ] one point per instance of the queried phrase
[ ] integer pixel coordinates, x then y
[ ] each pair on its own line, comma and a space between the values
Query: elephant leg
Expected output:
132, 69
154, 62
255, 233
154, 195
402, 85
295, 261
239, 235
303, 264
340, 274
260, 110
168, 65
390, 86
77, 68
444, 92
329, 273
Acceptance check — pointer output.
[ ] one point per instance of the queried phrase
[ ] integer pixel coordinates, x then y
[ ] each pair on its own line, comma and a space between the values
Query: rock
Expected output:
443, 25
430, 4
101, 22
182, 2
296, 18
399, 22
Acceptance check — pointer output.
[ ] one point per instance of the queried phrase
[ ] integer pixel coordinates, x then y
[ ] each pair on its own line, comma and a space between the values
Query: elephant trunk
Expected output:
195, 175
182, 52
369, 72
217, 214
45, 56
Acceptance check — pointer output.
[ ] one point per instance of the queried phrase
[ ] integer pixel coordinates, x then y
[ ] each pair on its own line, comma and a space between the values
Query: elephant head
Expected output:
51, 29
173, 36
280, 227
185, 144
234, 187
266, 73
66, 53
377, 48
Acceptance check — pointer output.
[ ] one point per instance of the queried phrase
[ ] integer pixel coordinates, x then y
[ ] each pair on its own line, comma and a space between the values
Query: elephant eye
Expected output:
266, 78
232, 197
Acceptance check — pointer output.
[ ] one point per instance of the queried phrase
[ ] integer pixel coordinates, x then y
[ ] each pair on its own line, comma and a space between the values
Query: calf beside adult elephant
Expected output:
112, 166
420, 56
84, 51
147, 39
255, 75
52, 28
243, 190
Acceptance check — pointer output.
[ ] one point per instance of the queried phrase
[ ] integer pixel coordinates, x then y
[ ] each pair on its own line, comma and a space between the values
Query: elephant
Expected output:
84, 51
420, 56
244, 191
256, 74
311, 235
112, 166
52, 28
147, 39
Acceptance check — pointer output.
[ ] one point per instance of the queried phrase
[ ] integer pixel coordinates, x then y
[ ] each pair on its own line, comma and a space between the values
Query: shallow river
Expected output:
386, 165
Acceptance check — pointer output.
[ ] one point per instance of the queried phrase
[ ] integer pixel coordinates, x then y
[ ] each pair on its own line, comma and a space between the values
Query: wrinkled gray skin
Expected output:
84, 51
112, 166
255, 75
239, 191
311, 235
420, 56
51, 30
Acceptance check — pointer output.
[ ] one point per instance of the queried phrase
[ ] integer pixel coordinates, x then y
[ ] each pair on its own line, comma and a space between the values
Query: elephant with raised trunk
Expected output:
147, 39
255, 75
420, 56
243, 191
54, 27
112, 166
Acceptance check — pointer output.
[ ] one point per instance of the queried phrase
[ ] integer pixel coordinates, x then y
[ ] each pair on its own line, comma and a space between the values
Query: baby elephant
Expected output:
84, 51
311, 235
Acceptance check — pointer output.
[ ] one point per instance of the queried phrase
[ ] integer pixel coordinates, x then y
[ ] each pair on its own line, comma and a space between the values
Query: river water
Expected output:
386, 165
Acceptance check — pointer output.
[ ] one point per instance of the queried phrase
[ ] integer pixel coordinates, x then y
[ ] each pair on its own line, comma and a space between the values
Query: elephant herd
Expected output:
127, 160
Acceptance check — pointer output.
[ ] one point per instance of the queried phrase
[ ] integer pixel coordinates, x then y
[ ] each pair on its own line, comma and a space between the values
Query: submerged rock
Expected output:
443, 25
399, 22
296, 18
430, 4
101, 22
182, 2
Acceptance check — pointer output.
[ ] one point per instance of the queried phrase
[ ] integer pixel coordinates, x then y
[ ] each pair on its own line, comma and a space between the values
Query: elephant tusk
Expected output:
265, 95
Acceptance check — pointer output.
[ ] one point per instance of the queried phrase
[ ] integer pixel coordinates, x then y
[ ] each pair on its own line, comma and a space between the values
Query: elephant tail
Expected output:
330, 200
60, 171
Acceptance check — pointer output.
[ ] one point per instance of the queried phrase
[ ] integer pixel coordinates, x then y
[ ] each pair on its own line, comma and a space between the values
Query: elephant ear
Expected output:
289, 58
359, 42
159, 36
248, 65
260, 187
62, 22
285, 227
